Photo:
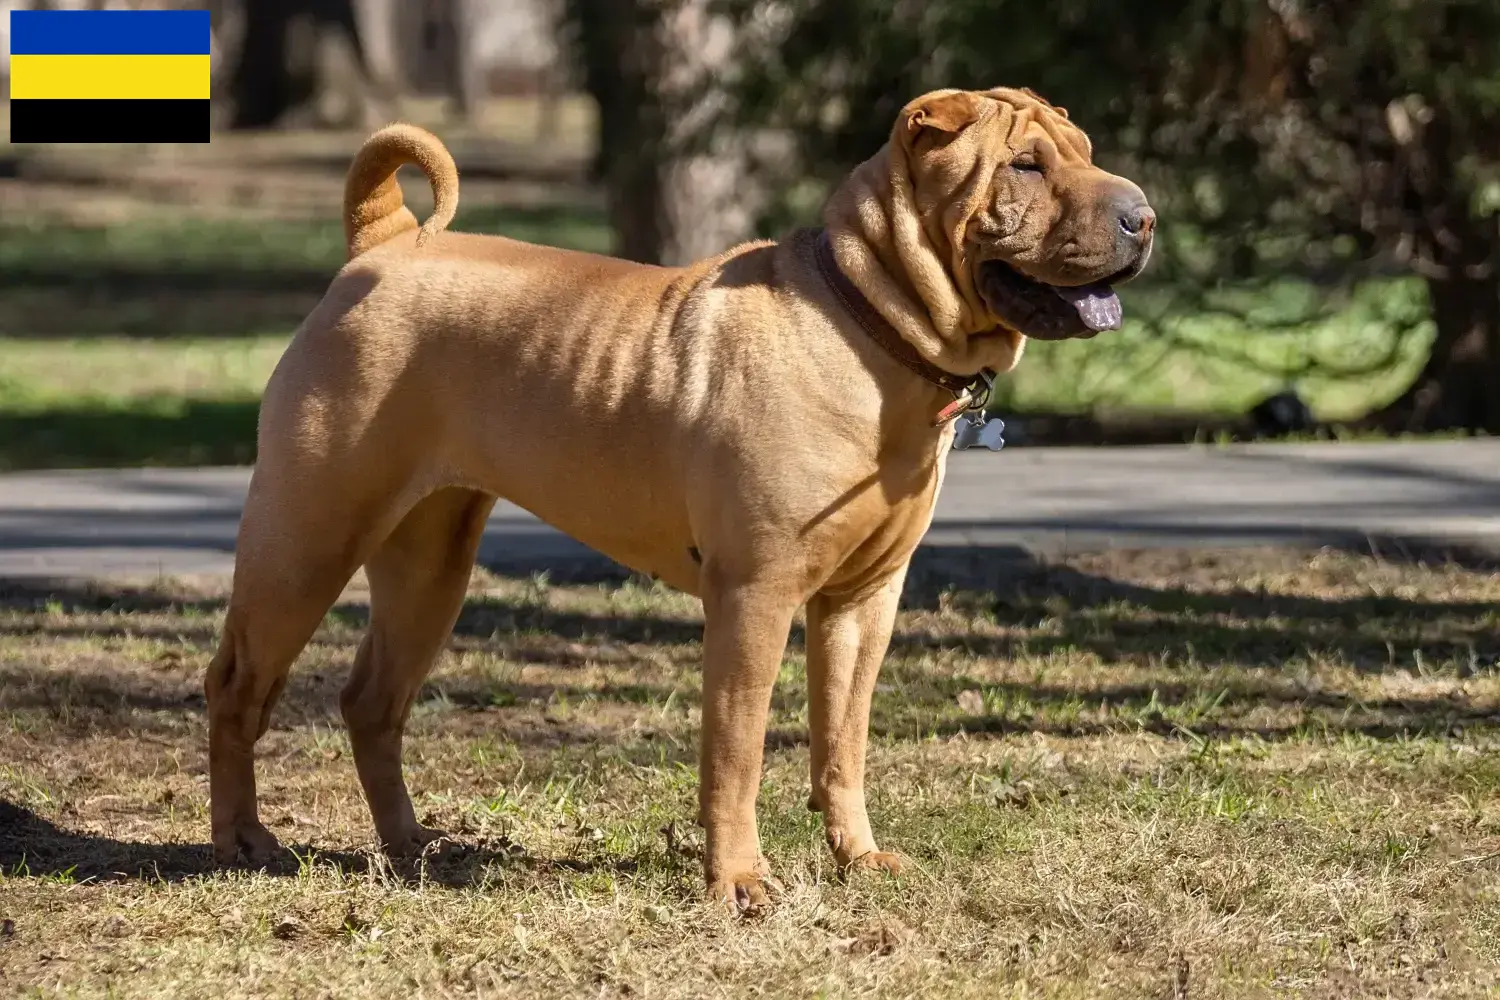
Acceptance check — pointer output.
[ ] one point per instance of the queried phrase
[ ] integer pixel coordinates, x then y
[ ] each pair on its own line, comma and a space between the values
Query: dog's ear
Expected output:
945, 114
1043, 101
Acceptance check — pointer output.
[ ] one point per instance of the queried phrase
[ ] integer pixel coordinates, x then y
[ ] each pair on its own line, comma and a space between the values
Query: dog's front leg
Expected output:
744, 636
847, 636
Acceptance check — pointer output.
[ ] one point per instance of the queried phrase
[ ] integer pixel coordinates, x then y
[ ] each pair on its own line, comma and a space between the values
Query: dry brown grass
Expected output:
1180, 775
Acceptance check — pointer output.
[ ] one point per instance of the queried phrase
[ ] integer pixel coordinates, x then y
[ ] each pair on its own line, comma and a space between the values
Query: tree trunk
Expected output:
711, 198
467, 78
675, 191
265, 85
619, 48
1459, 256
284, 57
378, 30
1459, 386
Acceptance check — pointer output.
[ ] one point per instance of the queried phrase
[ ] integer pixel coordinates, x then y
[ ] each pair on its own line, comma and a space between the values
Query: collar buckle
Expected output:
974, 396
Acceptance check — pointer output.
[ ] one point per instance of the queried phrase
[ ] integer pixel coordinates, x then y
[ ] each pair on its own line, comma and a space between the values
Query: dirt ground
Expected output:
1236, 774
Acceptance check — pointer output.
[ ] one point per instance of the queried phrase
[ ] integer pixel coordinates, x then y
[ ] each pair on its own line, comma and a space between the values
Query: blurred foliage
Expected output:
1317, 142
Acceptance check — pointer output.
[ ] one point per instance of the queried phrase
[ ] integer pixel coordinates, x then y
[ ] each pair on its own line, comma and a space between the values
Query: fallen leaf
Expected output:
1019, 794
882, 939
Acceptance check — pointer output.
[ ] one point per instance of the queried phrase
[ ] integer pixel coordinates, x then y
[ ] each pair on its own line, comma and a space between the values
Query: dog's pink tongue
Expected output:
1098, 306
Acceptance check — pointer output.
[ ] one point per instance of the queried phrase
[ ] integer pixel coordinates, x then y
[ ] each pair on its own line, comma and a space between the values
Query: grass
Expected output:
1240, 774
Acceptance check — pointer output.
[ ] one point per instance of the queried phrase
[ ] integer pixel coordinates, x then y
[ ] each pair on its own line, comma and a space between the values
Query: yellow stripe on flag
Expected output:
94, 77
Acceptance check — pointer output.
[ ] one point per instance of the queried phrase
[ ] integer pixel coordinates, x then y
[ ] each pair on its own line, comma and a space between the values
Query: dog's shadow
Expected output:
34, 847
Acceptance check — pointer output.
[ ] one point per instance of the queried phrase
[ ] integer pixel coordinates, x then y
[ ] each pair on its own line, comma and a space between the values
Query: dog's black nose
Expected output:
1137, 220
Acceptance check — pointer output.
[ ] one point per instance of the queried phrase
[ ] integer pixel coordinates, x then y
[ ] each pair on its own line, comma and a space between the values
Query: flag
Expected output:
109, 75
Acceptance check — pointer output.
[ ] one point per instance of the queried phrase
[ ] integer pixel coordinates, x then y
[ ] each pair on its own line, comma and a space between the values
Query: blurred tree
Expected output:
1329, 140
677, 189
286, 49
619, 49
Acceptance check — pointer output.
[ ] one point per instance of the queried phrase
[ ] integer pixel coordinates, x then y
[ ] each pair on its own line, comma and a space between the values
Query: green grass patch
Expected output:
118, 402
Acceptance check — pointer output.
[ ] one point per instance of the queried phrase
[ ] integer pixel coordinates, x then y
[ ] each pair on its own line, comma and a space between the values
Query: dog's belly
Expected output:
622, 502
652, 546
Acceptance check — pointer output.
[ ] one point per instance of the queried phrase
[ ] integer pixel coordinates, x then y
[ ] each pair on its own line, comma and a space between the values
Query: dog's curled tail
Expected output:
373, 208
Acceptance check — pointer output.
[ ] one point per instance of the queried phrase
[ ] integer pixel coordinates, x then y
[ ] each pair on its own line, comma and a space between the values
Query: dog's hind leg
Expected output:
285, 578
418, 578
847, 636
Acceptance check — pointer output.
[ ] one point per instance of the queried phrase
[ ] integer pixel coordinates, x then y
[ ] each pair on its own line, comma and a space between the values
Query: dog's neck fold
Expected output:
919, 281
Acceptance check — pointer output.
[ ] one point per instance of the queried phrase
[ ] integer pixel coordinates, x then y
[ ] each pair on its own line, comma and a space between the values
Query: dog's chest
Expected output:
879, 530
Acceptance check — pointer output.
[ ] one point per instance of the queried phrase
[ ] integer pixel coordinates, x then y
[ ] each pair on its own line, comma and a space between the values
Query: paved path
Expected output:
142, 523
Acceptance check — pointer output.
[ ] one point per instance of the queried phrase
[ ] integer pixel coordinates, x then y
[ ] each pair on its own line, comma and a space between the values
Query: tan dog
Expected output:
760, 429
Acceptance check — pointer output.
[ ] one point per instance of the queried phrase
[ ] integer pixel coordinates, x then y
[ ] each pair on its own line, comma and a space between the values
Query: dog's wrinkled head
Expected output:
1008, 183
991, 210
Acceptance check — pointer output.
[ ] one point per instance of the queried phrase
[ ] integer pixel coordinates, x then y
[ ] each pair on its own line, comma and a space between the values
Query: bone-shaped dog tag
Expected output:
970, 430
992, 434
966, 431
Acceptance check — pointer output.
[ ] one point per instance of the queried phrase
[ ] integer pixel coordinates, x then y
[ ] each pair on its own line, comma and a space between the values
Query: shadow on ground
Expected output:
178, 433
1110, 617
1040, 608
34, 846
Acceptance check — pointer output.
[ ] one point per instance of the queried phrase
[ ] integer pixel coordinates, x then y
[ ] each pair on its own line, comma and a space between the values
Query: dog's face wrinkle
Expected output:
1047, 221
1026, 202
1041, 204
1019, 198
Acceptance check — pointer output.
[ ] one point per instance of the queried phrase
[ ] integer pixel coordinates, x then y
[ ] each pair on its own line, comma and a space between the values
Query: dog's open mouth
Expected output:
1048, 312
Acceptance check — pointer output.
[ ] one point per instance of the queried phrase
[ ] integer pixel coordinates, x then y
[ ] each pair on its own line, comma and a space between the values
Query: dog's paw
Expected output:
247, 843
748, 894
851, 854
887, 862
419, 841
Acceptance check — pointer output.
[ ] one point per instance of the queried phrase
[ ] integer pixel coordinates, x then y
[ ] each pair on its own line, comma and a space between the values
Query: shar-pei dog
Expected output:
766, 430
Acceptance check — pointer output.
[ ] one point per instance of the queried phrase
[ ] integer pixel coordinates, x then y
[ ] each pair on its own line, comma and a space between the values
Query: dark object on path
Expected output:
1281, 414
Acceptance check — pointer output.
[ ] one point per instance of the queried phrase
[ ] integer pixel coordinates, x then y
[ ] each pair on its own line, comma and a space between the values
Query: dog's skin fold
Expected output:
727, 427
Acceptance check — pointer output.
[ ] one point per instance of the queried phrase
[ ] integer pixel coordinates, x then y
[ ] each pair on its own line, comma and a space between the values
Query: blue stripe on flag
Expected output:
109, 32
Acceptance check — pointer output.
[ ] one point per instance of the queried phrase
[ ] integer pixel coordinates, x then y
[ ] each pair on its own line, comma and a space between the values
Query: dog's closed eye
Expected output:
1028, 164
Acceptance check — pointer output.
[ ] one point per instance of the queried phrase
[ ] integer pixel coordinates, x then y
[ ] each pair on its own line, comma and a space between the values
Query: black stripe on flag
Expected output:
108, 121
